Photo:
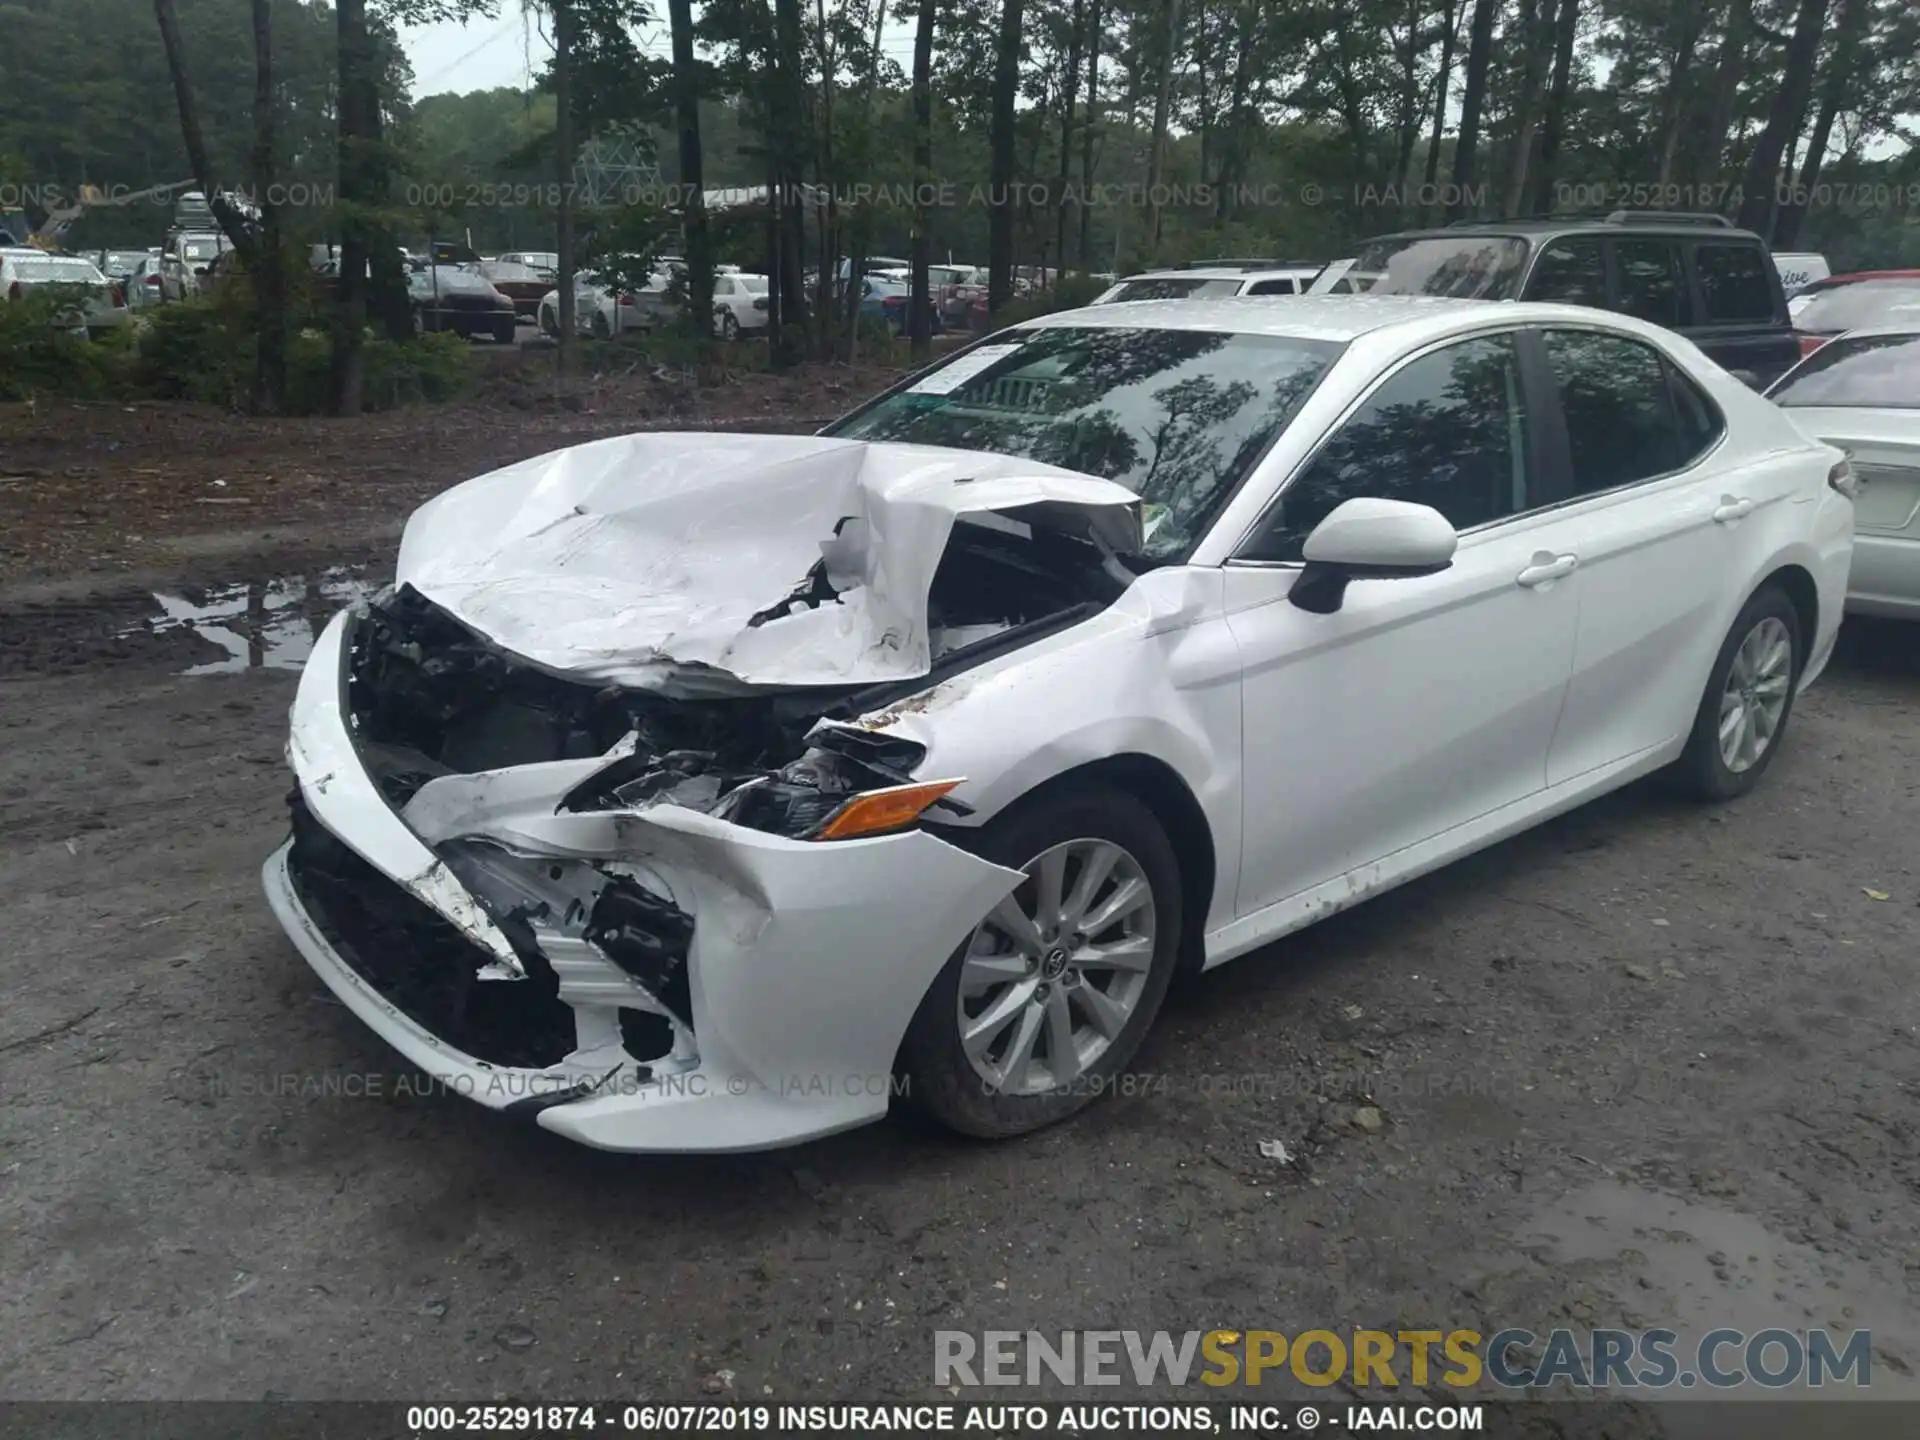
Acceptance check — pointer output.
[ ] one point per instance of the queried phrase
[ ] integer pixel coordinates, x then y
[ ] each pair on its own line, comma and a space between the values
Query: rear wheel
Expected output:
1749, 696
729, 326
601, 330
548, 325
1043, 1005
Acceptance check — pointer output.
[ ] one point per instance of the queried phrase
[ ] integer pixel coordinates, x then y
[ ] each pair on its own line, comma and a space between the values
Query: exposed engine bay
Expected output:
430, 697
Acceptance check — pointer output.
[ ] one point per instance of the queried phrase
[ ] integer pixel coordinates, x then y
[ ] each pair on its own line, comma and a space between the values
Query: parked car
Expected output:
459, 298
1695, 274
543, 262
521, 284
890, 301
1860, 393
96, 304
1799, 269
739, 304
118, 266
1846, 302
677, 765
143, 285
597, 310
1212, 281
186, 260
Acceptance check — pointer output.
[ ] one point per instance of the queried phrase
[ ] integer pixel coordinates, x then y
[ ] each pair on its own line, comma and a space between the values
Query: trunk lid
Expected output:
1884, 449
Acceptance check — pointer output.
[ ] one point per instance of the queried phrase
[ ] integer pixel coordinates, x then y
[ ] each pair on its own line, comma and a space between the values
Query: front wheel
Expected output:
1749, 696
1042, 1007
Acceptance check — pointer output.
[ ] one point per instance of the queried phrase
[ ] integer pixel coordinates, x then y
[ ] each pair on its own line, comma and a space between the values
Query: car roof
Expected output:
1337, 318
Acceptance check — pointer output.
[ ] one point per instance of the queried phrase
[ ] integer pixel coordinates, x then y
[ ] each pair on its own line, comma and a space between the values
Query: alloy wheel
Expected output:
1755, 697
1051, 977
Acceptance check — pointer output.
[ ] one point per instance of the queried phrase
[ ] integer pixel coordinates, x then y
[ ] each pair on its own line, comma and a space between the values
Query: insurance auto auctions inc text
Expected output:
1511, 1359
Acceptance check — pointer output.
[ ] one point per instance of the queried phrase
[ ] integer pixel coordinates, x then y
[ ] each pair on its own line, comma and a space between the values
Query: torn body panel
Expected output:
645, 560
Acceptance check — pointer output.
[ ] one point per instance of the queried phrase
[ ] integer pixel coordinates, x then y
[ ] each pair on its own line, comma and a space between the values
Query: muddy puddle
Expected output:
1698, 1268
259, 625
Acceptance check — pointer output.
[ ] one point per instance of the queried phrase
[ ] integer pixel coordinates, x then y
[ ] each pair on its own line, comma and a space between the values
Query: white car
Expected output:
1209, 282
597, 310
705, 791
739, 304
1861, 393
97, 305
186, 260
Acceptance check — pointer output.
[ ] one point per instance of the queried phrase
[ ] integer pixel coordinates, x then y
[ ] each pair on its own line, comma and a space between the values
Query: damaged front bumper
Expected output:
651, 979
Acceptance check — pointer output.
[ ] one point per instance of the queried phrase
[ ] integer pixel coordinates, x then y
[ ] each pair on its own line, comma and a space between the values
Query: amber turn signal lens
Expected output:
879, 810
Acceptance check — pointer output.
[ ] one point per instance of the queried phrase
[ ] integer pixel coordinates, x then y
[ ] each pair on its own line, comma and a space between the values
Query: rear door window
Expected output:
1629, 416
1572, 271
1736, 283
1653, 283
1271, 287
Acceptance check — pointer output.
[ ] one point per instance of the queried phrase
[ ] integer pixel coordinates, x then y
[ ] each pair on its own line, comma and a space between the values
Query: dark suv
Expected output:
1695, 274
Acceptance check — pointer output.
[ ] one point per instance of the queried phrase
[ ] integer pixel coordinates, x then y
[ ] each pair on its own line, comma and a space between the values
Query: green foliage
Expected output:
39, 356
1070, 292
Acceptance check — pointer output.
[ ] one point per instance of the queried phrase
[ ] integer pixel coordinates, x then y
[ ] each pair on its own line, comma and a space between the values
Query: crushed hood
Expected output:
630, 559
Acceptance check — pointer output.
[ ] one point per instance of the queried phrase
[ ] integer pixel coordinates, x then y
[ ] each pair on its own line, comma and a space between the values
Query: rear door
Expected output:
1740, 313
1659, 522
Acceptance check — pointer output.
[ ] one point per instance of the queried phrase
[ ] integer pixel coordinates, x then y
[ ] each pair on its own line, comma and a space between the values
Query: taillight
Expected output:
120, 297
761, 303
1842, 479
626, 299
1810, 343
154, 281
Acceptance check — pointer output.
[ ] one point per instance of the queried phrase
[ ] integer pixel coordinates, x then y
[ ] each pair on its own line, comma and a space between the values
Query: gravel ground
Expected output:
1648, 1064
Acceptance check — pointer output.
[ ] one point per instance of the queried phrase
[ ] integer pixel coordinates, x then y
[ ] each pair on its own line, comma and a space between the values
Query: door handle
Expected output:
1733, 508
1547, 567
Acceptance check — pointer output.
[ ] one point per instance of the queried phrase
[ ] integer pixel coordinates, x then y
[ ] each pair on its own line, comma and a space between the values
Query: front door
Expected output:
1422, 703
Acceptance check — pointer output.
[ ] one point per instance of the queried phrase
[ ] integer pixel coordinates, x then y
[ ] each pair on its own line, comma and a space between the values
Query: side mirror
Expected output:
1370, 539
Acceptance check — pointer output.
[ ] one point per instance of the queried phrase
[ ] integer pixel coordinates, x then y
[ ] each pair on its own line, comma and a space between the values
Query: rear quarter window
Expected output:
1736, 283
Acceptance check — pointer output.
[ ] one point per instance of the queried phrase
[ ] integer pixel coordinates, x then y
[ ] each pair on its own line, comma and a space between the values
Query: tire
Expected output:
1751, 648
504, 332
601, 330
729, 326
942, 1081
548, 325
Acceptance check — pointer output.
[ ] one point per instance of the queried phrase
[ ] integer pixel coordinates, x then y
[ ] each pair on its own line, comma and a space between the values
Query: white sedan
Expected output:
1861, 393
707, 791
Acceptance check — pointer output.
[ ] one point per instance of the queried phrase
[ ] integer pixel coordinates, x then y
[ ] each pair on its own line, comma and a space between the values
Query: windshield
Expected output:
466, 282
1176, 416
1849, 306
1173, 287
1467, 267
512, 274
1880, 372
201, 249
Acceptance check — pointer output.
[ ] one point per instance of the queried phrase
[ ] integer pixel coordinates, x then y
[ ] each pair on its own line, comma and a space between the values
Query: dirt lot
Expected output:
1650, 1064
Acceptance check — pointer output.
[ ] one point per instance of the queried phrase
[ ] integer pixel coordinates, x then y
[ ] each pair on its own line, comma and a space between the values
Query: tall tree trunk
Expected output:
1761, 183
1674, 102
563, 161
1086, 134
788, 129
1449, 41
1534, 22
355, 190
1074, 43
1162, 107
268, 276
686, 106
232, 223
1729, 69
1473, 100
1233, 158
1854, 15
919, 323
1006, 85
1566, 27
1407, 117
